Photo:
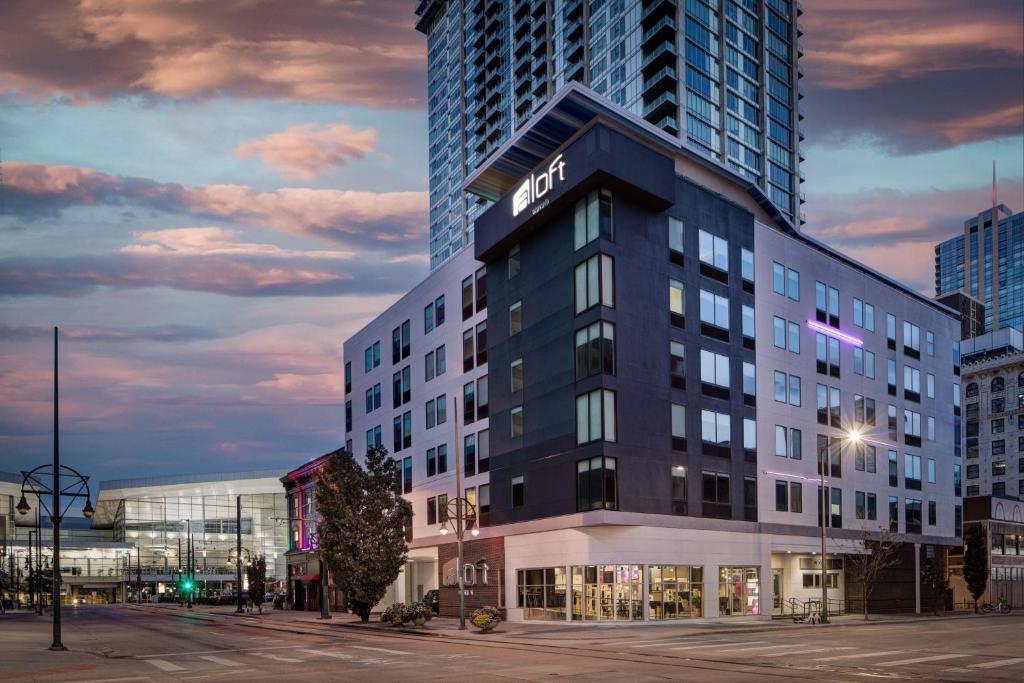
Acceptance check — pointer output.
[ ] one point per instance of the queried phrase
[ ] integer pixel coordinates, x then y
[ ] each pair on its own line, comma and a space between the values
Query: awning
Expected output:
306, 578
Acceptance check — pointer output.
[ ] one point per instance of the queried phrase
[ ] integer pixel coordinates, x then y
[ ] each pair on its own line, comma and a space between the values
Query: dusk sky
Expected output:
209, 196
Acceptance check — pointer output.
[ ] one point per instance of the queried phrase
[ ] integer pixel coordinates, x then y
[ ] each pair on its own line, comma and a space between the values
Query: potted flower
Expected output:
486, 618
416, 612
394, 615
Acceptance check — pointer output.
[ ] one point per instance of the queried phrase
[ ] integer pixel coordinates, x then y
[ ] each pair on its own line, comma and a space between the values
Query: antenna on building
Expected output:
994, 189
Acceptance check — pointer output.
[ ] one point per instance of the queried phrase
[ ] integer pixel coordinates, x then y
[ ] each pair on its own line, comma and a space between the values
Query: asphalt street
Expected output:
124, 644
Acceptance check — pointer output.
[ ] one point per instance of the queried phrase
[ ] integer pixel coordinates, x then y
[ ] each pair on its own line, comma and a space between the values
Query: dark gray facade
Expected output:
646, 192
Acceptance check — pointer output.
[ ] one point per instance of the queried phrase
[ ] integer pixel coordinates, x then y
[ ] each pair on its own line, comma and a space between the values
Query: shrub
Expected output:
394, 615
416, 610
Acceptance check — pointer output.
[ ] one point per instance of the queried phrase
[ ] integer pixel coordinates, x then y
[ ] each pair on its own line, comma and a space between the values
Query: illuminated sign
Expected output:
473, 574
537, 185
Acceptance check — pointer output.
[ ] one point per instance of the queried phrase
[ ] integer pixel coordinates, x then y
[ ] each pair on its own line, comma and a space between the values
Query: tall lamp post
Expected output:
458, 514
853, 437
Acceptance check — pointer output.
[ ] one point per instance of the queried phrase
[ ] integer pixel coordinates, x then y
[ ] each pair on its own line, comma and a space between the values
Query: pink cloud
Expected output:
345, 52
214, 241
307, 151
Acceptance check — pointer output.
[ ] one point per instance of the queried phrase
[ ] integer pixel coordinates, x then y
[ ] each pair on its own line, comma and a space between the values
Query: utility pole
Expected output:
138, 574
238, 554
56, 510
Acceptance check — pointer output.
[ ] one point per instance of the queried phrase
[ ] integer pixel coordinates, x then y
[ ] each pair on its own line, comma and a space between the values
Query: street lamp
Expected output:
464, 514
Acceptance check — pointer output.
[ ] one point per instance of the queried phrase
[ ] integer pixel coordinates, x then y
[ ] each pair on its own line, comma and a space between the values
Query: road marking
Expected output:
804, 652
336, 655
727, 644
165, 665
662, 643
998, 663
919, 660
860, 655
381, 649
278, 658
221, 660
770, 647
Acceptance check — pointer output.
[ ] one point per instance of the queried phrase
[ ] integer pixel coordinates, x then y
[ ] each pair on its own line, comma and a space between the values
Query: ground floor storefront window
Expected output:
609, 592
541, 593
676, 591
739, 591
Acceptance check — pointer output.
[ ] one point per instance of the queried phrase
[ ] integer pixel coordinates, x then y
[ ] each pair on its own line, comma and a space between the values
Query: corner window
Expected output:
595, 416
595, 350
595, 484
593, 218
595, 283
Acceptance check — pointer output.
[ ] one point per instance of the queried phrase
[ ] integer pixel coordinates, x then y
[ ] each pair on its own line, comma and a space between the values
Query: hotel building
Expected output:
721, 78
638, 370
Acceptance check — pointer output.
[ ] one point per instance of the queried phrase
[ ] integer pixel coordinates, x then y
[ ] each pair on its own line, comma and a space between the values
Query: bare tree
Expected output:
881, 553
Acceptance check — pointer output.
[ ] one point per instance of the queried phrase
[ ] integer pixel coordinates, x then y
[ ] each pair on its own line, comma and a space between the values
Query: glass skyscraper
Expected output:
1002, 290
721, 75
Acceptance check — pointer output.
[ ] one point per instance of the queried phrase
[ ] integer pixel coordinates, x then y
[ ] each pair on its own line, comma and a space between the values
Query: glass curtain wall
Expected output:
676, 592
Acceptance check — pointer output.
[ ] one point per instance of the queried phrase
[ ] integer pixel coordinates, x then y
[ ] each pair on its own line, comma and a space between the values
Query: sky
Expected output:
209, 196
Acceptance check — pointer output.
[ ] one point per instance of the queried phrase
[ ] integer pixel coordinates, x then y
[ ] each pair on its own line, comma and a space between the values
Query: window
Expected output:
468, 350
431, 414
348, 377
912, 519
869, 319
515, 318
794, 337
401, 387
890, 330
894, 514
747, 265
911, 423
779, 332
482, 397
714, 309
676, 303
714, 369
516, 422
481, 343
930, 385
781, 496
781, 390
749, 434
911, 338
793, 284
429, 368
788, 442
428, 318
716, 487
675, 240
677, 364
374, 438
594, 283
402, 431
678, 427
431, 510
957, 481
401, 338
481, 289
998, 468
431, 462
929, 343
713, 250
516, 375
469, 455
821, 301
469, 403
869, 364
715, 427
595, 416
483, 451
912, 471
514, 263
348, 416
892, 422
872, 506
595, 350
373, 398
595, 484
911, 383
593, 218
931, 471
518, 491
679, 492
930, 434
747, 320
778, 278
749, 379
467, 298
858, 315
860, 504
439, 361
371, 357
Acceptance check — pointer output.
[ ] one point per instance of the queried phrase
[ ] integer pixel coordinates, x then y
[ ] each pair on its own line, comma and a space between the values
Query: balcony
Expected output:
658, 108
663, 55
664, 28
663, 77
656, 9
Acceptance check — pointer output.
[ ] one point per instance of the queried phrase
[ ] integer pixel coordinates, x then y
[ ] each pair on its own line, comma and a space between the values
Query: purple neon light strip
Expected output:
831, 331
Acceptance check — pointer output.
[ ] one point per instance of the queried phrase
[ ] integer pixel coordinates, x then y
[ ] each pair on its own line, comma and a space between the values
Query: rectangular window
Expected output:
714, 369
779, 332
431, 462
595, 484
793, 284
747, 265
468, 403
929, 343
676, 303
796, 497
439, 311
894, 514
514, 263
911, 337
431, 414
481, 343
781, 389
749, 434
678, 427
794, 337
716, 487
677, 364
781, 496
518, 491
482, 397
468, 350
714, 309
930, 385
595, 416
715, 427
516, 375
407, 475
469, 455
860, 504
348, 377
428, 318
442, 458
516, 422
912, 518
675, 240
592, 218
483, 451
442, 409
932, 513
595, 350
749, 380
431, 510
778, 278
872, 506
515, 318
713, 250
467, 298
595, 283
747, 321
429, 368
858, 315
912, 471
679, 493
481, 289
890, 330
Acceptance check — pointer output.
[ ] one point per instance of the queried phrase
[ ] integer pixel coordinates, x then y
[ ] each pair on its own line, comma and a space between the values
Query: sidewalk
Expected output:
541, 632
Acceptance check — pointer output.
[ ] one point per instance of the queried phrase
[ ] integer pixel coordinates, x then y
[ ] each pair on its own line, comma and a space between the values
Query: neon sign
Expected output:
833, 332
537, 185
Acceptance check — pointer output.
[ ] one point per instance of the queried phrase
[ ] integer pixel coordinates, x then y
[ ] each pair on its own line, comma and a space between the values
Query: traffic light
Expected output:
187, 585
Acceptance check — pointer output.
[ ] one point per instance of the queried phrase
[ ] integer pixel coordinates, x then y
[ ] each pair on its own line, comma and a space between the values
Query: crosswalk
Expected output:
809, 653
364, 655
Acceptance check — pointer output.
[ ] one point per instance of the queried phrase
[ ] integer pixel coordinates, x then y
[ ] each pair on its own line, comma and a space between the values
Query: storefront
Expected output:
739, 591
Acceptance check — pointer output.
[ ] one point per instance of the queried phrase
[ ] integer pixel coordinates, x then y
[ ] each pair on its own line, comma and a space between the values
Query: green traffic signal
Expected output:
187, 585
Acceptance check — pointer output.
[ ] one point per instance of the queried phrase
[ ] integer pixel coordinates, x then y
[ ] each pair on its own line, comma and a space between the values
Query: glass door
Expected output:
777, 596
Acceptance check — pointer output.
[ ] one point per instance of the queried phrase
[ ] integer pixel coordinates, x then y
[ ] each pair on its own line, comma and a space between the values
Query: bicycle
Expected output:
1001, 607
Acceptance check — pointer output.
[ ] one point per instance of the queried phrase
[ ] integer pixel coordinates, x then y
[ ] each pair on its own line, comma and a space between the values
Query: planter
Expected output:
419, 621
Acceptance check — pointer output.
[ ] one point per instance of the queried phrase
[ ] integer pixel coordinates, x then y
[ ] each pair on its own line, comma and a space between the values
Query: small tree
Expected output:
975, 562
362, 526
257, 575
933, 576
882, 553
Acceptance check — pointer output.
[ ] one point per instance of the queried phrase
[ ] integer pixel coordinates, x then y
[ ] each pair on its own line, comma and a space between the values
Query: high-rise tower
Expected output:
721, 75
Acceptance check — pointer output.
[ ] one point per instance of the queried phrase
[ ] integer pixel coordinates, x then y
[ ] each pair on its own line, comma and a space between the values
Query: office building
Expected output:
993, 402
719, 77
1001, 519
972, 312
990, 270
636, 370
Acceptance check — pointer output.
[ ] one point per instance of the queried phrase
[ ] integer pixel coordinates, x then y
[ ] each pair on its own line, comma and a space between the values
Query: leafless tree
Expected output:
880, 553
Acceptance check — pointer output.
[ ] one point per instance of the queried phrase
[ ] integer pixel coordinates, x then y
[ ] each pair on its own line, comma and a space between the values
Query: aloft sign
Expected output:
537, 185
